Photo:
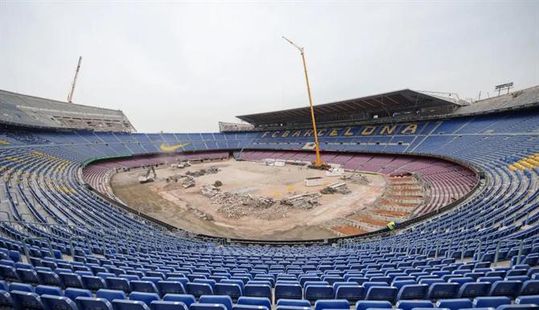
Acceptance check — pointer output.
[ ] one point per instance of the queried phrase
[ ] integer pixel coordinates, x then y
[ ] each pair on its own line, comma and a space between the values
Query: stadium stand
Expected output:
64, 246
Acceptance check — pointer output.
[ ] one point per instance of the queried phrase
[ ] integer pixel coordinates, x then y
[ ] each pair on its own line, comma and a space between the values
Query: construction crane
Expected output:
318, 163
70, 95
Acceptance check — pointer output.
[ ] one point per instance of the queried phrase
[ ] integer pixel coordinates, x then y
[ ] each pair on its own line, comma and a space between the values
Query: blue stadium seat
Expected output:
93, 283
210, 282
443, 290
129, 305
288, 291
27, 275
52, 302
491, 301
294, 302
6, 301
91, 303
400, 283
454, 304
368, 285
518, 307
49, 278
200, 306
172, 287
255, 301
9, 273
199, 289
314, 292
217, 299
26, 300
414, 304
506, 288
258, 290
532, 299
115, 283
490, 280
154, 280
324, 304
110, 295
145, 297
187, 299
352, 293
143, 286
168, 305
475, 289
231, 289
49, 290
240, 283
23, 287
369, 304
252, 307
73, 293
386, 293
530, 287
413, 291
71, 280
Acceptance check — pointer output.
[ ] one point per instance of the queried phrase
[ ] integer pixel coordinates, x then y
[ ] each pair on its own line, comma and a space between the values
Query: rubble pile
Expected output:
201, 172
210, 190
303, 201
334, 188
185, 180
328, 190
188, 181
234, 205
356, 178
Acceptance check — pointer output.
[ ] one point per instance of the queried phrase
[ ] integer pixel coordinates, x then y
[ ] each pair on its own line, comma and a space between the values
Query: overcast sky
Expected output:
183, 66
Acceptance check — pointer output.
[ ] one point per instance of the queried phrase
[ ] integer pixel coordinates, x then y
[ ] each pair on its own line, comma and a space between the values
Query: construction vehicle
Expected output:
147, 178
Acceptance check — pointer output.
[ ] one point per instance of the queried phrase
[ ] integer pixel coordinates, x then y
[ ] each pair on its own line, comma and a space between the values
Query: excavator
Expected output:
147, 178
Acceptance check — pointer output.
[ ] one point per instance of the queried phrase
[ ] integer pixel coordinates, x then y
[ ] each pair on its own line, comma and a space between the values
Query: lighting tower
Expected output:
318, 161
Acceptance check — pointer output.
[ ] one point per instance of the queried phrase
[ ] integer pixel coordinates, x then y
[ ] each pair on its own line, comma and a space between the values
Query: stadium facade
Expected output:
64, 233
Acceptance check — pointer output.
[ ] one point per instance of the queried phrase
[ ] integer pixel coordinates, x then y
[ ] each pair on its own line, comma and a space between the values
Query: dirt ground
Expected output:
192, 211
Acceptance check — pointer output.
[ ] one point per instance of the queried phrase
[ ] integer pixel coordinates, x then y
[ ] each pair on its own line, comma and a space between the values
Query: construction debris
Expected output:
210, 190
188, 181
201, 172
335, 172
303, 201
181, 165
340, 188
356, 178
235, 205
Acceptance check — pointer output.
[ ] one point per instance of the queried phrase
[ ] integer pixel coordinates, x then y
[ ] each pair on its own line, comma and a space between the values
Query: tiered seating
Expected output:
63, 246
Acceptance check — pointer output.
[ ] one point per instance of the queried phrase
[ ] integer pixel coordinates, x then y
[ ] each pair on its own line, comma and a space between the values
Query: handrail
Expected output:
478, 249
502, 241
8, 215
72, 247
27, 251
437, 248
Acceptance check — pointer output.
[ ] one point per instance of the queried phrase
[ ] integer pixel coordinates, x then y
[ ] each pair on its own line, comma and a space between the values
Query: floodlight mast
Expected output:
318, 161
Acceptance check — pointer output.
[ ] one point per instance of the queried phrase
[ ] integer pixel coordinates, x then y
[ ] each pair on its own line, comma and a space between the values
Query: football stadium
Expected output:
403, 199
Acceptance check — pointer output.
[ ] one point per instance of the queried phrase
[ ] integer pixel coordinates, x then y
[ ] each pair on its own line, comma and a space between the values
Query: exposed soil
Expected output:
187, 208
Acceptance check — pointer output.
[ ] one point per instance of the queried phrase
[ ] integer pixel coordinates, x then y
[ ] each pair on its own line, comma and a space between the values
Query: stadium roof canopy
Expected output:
389, 104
